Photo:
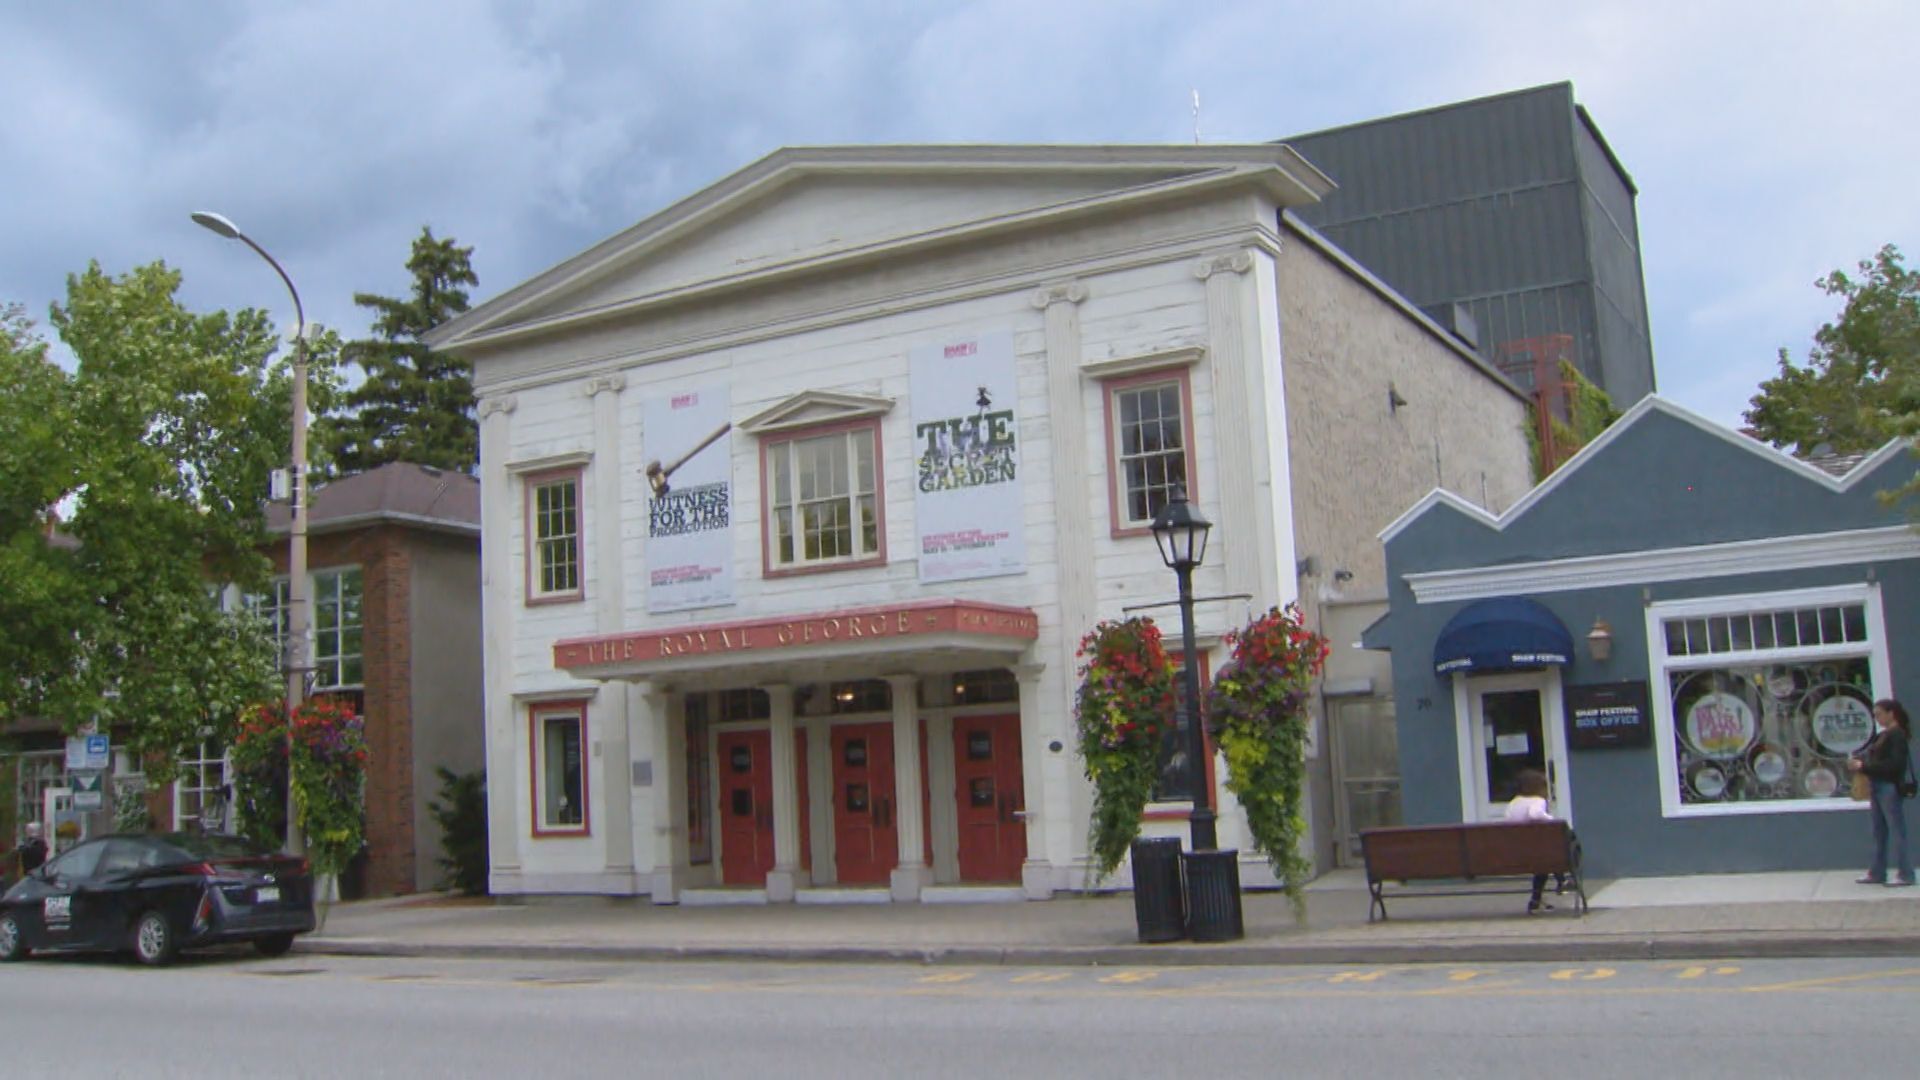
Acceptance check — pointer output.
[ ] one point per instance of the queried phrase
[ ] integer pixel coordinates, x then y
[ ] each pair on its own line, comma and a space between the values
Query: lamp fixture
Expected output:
1600, 640
1180, 532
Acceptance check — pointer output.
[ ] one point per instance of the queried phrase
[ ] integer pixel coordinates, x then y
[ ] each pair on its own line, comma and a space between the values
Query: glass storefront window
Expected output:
1765, 698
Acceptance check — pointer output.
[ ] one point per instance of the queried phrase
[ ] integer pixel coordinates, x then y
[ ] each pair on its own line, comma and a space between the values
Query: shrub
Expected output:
461, 811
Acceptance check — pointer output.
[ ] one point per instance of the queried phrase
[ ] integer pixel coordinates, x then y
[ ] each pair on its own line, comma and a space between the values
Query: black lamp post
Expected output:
1182, 536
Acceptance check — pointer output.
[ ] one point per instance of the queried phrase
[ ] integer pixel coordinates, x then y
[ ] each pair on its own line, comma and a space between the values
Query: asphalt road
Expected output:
239, 1016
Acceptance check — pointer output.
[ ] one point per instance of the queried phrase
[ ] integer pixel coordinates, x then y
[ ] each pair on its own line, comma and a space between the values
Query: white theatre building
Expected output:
799, 495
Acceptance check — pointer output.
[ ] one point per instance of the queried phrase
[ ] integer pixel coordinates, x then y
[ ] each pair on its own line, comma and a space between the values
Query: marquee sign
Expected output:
851, 627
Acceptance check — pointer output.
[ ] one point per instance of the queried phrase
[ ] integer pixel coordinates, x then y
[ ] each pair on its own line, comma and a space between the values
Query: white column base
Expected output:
784, 885
1036, 878
907, 882
666, 885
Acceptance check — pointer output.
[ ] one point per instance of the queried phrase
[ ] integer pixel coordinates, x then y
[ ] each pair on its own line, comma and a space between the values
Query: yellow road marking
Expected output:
1834, 980
1583, 974
1041, 977
947, 977
1464, 976
1124, 977
1356, 976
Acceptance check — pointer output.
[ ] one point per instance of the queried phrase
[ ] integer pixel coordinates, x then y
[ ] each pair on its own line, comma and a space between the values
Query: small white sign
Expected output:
88, 752
1511, 745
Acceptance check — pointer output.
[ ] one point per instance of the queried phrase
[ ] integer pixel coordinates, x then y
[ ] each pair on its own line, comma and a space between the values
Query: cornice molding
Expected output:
1771, 555
1183, 356
572, 459
812, 408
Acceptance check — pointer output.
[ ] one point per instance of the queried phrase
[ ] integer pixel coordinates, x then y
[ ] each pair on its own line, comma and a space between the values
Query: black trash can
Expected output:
1213, 895
1159, 908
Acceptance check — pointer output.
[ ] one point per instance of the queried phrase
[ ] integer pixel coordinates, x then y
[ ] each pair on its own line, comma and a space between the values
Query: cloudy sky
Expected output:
1770, 143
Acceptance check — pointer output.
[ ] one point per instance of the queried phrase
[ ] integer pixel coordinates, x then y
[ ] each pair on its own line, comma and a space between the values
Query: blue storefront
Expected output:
1683, 628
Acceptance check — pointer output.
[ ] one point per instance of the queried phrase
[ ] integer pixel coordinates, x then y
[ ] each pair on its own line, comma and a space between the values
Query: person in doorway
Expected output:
31, 853
1885, 762
1531, 805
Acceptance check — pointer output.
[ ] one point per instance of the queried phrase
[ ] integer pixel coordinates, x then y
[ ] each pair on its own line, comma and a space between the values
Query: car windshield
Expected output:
202, 846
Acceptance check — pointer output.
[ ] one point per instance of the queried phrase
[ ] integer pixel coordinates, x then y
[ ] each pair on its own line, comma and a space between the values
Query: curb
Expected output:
1615, 948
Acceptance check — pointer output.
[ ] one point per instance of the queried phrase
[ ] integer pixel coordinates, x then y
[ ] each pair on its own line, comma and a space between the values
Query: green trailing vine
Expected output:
329, 768
1120, 715
1257, 711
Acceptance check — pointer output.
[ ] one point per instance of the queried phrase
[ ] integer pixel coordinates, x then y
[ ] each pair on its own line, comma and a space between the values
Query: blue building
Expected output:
1684, 628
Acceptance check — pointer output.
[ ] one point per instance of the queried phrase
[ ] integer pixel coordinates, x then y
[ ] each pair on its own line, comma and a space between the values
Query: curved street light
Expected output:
298, 602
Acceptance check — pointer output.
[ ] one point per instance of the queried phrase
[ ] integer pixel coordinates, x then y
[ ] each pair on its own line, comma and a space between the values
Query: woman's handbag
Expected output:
1862, 787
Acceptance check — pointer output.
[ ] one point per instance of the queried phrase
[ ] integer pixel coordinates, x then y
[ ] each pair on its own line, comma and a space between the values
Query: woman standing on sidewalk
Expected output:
1884, 761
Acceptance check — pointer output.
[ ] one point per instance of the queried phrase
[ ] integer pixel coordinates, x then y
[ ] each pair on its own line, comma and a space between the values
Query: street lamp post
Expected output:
299, 607
1211, 876
1182, 536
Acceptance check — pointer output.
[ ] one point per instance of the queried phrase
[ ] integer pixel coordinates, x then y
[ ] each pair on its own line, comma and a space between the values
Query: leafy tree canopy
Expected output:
1860, 385
155, 450
416, 404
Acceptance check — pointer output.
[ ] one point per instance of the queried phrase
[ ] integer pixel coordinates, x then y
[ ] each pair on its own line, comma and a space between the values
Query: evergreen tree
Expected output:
416, 404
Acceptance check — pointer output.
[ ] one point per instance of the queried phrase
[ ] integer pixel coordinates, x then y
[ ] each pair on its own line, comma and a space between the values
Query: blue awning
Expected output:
1503, 634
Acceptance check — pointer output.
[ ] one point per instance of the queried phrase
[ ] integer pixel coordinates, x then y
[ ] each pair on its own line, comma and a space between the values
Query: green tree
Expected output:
416, 404
1860, 385
156, 450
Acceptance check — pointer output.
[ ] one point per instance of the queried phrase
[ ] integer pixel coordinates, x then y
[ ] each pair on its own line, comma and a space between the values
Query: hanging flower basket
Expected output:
329, 772
1257, 711
1120, 714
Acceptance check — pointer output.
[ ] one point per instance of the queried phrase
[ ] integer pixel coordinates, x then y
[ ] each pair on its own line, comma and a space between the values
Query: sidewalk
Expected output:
1745, 915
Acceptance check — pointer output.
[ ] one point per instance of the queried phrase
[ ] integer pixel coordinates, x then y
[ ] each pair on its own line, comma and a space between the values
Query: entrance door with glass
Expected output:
1366, 756
866, 845
1513, 724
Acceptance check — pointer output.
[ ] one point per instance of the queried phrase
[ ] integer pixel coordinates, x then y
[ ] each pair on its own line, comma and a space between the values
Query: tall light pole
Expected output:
299, 604
1182, 536
1211, 876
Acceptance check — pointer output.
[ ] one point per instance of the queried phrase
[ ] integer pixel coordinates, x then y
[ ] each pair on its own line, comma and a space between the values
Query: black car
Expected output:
156, 895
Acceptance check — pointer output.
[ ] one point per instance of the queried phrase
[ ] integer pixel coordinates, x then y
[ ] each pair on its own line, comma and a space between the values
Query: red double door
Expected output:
746, 805
989, 798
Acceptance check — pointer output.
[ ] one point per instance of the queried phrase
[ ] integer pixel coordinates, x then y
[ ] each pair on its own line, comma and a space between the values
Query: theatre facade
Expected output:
799, 496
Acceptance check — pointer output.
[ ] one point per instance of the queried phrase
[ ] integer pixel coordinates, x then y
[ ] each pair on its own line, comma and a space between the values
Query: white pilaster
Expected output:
607, 586
665, 723
1036, 874
911, 874
505, 740
1235, 505
787, 875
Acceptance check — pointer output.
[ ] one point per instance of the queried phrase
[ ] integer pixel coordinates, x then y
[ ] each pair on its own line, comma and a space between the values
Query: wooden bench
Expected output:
1466, 853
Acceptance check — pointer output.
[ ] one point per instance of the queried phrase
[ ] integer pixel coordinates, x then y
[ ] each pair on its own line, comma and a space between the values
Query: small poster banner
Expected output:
1605, 716
967, 506
689, 476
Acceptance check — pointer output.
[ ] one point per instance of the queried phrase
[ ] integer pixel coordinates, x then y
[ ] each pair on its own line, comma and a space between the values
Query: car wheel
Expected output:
12, 947
273, 944
153, 939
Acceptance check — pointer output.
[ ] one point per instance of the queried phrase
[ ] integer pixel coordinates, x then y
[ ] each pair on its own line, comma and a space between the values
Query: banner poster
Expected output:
966, 439
689, 477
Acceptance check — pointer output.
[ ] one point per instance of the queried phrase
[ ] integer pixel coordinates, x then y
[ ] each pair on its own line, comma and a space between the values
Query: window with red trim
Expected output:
823, 498
1148, 438
553, 537
559, 738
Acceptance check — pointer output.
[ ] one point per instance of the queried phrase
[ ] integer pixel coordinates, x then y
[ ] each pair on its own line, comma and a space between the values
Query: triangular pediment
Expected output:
812, 209
813, 408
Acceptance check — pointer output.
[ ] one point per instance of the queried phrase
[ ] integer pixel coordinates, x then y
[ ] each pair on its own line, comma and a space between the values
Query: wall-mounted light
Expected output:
1600, 640
1342, 575
1394, 400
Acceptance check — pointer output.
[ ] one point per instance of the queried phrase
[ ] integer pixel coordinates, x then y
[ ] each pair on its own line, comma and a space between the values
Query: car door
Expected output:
60, 881
100, 902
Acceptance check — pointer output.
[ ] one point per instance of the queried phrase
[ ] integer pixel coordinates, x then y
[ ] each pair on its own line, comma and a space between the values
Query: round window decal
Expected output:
1769, 764
1820, 782
1721, 725
1841, 718
1707, 781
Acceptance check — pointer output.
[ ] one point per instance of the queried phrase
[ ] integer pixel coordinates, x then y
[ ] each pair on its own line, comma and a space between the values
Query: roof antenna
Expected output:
1196, 117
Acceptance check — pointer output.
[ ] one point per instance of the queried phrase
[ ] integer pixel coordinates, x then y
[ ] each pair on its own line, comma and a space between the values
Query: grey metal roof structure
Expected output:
1512, 208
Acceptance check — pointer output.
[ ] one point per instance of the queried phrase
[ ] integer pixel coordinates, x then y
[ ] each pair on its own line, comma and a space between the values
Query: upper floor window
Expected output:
1149, 424
337, 629
553, 537
823, 499
271, 608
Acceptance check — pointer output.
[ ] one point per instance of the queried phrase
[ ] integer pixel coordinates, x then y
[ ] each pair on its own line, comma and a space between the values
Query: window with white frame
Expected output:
559, 768
337, 629
271, 608
1147, 443
553, 537
34, 772
823, 502
200, 791
1761, 699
